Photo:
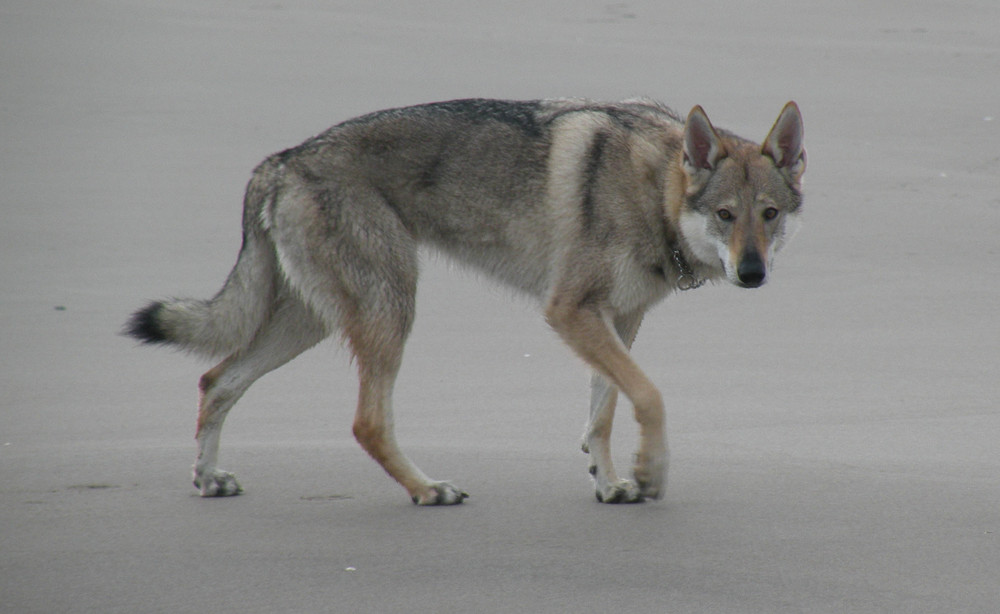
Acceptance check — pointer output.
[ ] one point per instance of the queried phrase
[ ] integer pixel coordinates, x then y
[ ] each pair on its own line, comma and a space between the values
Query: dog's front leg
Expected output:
597, 437
609, 488
588, 332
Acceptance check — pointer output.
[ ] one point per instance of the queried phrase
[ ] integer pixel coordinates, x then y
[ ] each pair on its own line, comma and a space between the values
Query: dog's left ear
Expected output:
784, 143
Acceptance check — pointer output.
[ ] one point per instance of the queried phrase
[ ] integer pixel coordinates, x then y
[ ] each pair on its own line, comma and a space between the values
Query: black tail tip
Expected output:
144, 325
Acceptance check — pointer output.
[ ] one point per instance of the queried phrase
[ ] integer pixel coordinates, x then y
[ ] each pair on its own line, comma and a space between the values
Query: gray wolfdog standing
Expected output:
598, 210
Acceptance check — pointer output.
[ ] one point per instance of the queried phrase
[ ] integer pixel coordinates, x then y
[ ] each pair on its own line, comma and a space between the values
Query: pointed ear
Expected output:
702, 147
784, 143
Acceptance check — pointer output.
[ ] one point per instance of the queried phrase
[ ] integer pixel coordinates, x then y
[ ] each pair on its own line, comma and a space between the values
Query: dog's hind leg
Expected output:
360, 271
378, 352
291, 329
597, 437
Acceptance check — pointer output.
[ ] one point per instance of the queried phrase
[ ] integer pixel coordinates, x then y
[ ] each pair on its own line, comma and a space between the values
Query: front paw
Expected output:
218, 483
619, 491
440, 493
650, 474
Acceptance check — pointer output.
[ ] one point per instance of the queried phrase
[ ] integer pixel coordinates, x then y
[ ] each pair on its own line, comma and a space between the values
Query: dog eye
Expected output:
724, 214
770, 213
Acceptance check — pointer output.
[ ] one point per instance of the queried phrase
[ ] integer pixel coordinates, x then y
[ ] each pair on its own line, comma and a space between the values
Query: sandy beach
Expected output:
833, 434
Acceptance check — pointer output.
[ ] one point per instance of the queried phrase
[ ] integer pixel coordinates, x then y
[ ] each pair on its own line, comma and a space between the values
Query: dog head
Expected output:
741, 200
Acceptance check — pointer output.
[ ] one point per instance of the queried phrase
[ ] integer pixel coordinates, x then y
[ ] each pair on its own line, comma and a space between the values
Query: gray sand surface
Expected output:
834, 434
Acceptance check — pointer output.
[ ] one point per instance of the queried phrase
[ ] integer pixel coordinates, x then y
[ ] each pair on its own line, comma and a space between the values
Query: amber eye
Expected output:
770, 213
724, 214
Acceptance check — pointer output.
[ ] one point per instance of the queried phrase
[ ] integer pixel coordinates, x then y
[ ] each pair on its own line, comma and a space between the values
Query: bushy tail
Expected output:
227, 322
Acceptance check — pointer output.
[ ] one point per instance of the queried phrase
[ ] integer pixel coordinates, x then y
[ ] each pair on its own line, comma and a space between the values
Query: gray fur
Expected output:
588, 207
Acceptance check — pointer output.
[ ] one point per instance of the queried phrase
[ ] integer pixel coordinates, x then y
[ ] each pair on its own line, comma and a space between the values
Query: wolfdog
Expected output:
598, 210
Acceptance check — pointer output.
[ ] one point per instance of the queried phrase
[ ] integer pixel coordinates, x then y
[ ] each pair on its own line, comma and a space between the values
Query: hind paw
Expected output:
620, 491
440, 493
217, 484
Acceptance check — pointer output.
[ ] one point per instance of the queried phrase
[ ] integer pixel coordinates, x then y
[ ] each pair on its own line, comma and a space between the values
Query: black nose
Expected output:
751, 270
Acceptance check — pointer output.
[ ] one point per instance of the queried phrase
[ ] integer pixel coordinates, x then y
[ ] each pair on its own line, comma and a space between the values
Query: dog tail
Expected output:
227, 322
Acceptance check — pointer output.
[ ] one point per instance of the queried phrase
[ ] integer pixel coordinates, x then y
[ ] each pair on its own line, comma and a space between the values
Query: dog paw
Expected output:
650, 477
620, 491
217, 484
441, 493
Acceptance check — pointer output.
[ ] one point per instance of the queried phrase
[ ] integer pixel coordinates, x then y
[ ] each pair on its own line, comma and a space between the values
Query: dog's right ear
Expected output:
702, 147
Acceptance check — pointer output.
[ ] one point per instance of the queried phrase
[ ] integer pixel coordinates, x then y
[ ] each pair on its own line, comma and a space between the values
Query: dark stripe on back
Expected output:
522, 115
519, 114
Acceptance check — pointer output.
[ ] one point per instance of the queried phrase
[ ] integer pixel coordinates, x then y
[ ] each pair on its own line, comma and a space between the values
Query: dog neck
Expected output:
674, 192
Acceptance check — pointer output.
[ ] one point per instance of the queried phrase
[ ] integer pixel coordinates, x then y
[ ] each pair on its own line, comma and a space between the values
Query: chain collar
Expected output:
687, 280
